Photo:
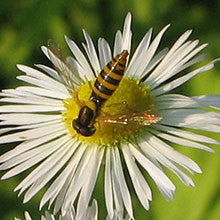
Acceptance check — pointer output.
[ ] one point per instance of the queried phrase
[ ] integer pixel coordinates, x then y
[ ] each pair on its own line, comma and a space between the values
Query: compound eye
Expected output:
86, 116
76, 125
85, 131
89, 131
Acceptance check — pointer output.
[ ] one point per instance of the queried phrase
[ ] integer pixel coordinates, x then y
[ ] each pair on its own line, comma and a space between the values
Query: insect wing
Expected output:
145, 118
64, 68
132, 118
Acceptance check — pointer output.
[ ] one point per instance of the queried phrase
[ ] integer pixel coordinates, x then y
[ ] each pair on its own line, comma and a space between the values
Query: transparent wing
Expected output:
145, 118
65, 66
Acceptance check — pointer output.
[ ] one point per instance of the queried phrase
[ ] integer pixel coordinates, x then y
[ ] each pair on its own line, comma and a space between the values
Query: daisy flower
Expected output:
67, 122
91, 214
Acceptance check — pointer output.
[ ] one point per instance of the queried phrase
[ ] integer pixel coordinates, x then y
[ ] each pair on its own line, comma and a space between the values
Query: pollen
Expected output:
122, 118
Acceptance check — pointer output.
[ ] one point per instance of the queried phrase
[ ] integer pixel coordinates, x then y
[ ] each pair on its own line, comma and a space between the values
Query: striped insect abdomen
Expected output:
109, 79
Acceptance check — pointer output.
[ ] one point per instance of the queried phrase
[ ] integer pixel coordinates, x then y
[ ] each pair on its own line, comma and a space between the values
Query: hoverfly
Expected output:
104, 86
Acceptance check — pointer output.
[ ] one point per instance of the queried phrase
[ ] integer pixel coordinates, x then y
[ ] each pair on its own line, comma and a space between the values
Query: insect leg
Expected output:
78, 102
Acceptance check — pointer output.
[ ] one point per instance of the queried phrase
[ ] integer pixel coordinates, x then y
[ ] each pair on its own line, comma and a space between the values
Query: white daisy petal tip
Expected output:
199, 170
44, 49
211, 150
68, 40
216, 60
186, 34
164, 29
90, 214
128, 16
127, 22
21, 67
167, 26
4, 177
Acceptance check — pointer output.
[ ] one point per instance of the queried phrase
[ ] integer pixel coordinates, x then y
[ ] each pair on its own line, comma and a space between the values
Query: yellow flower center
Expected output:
123, 117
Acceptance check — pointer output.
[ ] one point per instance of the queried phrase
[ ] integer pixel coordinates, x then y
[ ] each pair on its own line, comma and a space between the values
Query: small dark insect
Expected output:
106, 83
104, 86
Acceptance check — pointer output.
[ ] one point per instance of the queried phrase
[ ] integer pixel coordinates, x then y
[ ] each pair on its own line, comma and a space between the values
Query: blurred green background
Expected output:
27, 24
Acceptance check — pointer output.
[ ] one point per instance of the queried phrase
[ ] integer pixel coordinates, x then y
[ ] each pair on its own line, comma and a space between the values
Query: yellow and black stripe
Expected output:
109, 79
105, 84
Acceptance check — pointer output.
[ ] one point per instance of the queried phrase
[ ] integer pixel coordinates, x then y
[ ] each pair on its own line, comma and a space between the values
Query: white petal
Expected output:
172, 101
43, 92
191, 118
92, 213
105, 55
30, 108
32, 133
70, 77
50, 71
25, 157
118, 201
27, 216
22, 119
40, 83
108, 185
173, 155
208, 100
63, 179
60, 196
140, 185
127, 34
80, 58
175, 83
169, 55
194, 60
80, 177
30, 126
118, 43
87, 189
187, 61
162, 181
30, 158
33, 100
186, 134
117, 167
175, 63
149, 53
154, 61
48, 216
91, 52
181, 141
30, 144
32, 73
138, 54
174, 48
51, 166
155, 155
